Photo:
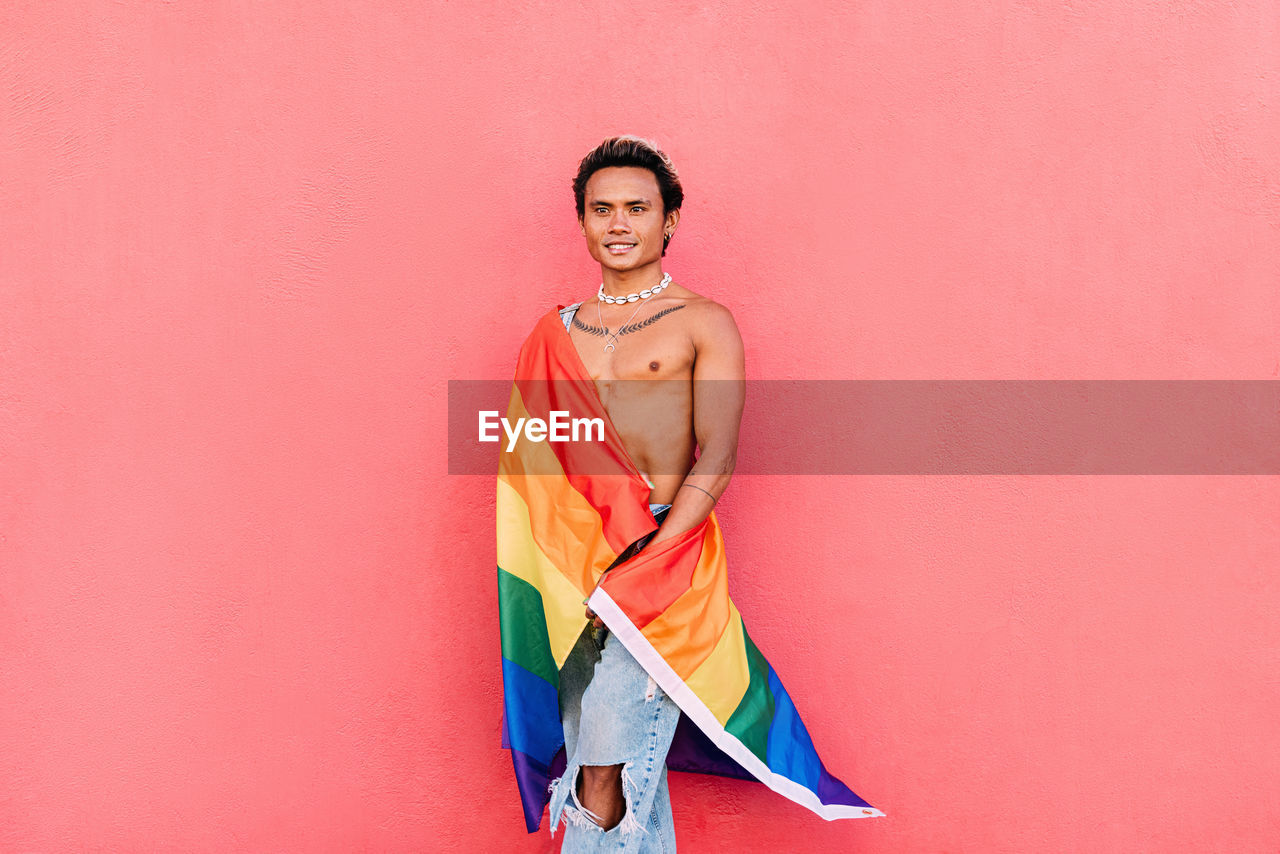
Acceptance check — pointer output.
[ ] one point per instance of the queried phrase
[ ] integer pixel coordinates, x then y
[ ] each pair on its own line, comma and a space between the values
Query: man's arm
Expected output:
719, 391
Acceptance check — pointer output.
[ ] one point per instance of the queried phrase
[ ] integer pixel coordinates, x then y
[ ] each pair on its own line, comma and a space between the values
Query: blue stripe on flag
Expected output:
533, 712
791, 752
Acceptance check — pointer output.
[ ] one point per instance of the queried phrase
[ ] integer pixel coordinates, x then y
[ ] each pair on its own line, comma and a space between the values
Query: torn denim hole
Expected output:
565, 789
648, 694
629, 823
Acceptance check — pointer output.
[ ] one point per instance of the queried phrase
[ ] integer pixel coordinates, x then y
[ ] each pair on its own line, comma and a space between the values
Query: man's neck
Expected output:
619, 283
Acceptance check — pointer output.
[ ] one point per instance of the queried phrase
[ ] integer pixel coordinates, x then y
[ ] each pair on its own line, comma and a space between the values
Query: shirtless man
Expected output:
628, 200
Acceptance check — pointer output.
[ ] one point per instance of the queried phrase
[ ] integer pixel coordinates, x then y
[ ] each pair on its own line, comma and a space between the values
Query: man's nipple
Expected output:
653, 366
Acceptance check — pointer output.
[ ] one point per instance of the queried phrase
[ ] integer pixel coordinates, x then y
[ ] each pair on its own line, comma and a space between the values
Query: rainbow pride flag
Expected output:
565, 511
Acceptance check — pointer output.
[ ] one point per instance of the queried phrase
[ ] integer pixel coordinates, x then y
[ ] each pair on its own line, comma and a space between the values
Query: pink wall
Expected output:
245, 246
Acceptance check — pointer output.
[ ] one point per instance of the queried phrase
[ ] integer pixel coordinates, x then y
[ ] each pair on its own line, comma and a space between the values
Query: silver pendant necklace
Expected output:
611, 338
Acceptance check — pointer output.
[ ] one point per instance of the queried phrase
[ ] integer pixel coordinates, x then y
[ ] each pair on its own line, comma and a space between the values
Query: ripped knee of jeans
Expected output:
564, 799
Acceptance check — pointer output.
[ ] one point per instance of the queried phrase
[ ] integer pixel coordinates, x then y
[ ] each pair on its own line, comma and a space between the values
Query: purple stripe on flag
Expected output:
832, 791
691, 750
532, 778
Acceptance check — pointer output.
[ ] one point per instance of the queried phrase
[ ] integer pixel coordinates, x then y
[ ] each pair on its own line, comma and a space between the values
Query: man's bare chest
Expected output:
654, 344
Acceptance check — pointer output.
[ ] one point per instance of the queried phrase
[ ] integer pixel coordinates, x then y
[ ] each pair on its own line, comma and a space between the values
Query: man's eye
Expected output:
637, 210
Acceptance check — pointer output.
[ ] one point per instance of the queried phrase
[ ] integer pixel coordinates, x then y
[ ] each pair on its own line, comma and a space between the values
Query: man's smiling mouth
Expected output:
618, 248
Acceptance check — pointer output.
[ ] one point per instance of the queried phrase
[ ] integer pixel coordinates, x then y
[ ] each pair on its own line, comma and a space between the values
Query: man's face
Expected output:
623, 219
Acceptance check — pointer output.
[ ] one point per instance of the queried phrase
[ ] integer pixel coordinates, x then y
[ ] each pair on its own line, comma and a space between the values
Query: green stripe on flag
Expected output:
750, 722
524, 627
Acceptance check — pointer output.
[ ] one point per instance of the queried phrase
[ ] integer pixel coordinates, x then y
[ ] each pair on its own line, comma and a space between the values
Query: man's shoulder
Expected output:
704, 306
711, 328
544, 328
710, 317
552, 316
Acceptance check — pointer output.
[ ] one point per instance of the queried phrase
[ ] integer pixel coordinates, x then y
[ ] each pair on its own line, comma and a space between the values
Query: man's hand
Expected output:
594, 618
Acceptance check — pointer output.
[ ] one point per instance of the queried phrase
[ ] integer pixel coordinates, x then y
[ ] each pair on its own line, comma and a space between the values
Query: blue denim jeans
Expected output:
614, 714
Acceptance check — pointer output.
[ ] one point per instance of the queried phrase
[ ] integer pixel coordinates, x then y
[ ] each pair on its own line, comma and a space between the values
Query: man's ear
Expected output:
673, 217
582, 226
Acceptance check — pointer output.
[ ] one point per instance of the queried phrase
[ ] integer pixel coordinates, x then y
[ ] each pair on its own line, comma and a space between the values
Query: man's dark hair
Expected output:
631, 151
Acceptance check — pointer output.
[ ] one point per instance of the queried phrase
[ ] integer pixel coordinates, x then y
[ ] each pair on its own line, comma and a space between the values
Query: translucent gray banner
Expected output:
844, 427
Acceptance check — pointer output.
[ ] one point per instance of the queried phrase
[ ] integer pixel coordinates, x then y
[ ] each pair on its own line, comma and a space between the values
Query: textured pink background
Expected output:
243, 608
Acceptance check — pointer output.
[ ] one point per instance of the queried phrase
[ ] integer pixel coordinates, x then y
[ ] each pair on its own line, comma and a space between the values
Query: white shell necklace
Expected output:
645, 294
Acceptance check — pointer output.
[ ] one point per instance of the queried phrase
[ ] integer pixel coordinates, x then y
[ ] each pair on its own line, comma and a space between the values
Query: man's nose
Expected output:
618, 222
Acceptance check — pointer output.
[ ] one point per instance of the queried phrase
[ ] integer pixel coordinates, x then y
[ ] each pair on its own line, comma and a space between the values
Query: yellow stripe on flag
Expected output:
519, 555
722, 679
